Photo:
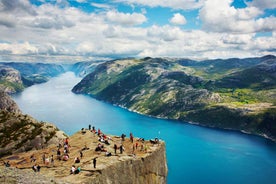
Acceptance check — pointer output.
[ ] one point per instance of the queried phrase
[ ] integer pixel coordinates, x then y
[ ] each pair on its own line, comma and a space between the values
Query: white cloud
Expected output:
125, 18
220, 16
263, 4
100, 5
175, 4
50, 30
178, 19
19, 48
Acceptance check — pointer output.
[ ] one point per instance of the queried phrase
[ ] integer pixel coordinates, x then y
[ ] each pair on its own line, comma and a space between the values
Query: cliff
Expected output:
10, 80
19, 132
15, 76
133, 166
7, 104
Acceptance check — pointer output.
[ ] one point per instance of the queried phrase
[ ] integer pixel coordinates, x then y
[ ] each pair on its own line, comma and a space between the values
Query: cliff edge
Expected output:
141, 161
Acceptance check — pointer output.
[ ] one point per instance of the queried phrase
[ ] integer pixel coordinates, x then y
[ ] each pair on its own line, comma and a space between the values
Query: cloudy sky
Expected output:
72, 30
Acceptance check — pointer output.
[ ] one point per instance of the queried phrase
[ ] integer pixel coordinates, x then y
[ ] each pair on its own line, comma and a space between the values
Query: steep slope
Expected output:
168, 88
84, 68
7, 104
258, 77
33, 73
19, 133
10, 80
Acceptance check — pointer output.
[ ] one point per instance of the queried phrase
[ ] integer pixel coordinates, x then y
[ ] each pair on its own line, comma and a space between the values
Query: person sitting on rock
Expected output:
65, 157
7, 164
83, 131
77, 171
77, 160
73, 169
33, 158
36, 168
108, 154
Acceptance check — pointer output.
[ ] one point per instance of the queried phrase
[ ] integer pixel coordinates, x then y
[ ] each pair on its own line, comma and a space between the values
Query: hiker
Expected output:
131, 137
36, 168
66, 141
94, 162
115, 148
52, 160
77, 160
108, 154
123, 137
73, 169
43, 158
121, 149
65, 157
89, 127
58, 154
81, 154
77, 171
136, 145
66, 149
7, 164
33, 158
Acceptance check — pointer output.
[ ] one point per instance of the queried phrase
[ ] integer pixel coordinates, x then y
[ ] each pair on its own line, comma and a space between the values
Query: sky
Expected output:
80, 30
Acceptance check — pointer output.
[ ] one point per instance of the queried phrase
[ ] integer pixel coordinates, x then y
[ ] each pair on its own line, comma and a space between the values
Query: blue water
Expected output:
195, 154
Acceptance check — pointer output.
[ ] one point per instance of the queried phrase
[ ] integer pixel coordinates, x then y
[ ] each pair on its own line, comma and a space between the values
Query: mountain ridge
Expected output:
168, 88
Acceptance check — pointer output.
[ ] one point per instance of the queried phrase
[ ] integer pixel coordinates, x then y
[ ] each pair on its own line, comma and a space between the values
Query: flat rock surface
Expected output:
58, 171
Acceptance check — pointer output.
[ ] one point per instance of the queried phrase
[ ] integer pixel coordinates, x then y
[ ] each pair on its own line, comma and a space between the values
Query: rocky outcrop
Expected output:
133, 166
19, 133
35, 73
10, 80
149, 169
7, 104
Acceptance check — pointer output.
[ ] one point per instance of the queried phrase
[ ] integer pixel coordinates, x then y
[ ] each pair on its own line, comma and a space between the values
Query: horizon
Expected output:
85, 30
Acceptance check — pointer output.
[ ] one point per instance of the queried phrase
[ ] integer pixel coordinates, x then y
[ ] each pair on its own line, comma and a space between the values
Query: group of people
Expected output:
75, 170
103, 140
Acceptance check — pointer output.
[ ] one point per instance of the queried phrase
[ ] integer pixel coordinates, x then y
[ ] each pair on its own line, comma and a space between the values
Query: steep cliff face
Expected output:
151, 169
10, 80
7, 104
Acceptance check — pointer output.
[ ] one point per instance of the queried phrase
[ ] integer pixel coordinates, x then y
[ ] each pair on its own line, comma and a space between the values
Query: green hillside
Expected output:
235, 94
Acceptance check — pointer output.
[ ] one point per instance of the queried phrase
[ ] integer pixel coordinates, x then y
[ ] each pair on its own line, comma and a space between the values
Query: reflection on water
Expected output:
195, 154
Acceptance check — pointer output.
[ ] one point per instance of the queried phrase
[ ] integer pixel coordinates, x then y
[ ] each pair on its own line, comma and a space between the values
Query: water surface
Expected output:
195, 154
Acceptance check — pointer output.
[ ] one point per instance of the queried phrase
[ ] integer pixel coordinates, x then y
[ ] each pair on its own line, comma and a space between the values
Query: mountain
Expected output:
10, 80
236, 94
19, 132
84, 68
14, 76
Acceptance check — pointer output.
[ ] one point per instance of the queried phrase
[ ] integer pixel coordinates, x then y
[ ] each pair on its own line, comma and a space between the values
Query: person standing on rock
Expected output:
115, 148
94, 162
52, 160
121, 149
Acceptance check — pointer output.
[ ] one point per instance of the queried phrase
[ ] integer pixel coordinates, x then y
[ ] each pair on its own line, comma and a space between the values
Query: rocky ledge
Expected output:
141, 161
